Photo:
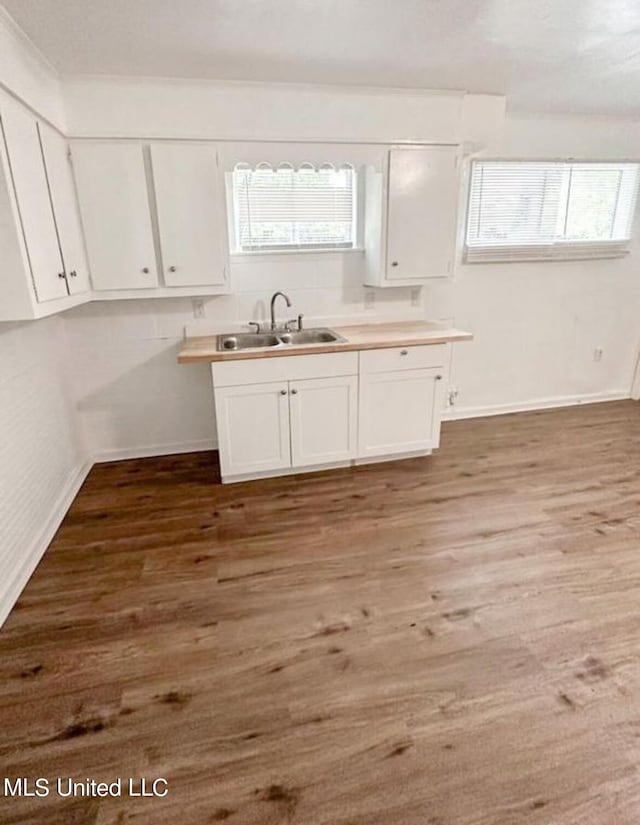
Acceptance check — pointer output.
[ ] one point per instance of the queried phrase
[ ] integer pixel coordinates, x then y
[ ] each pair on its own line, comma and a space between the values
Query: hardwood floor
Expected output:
442, 641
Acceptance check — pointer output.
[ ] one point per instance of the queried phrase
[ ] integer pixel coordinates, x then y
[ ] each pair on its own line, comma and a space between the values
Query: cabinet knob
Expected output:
394, 263
172, 268
294, 392
438, 378
73, 273
145, 269
61, 275
404, 352
283, 392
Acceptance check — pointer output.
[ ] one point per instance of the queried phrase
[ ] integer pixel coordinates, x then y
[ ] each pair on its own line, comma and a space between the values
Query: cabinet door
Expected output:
421, 212
253, 428
323, 420
20, 134
55, 152
190, 201
399, 412
114, 206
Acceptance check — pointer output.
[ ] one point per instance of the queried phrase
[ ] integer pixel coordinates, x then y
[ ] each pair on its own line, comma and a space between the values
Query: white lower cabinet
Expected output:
399, 412
279, 415
324, 420
253, 428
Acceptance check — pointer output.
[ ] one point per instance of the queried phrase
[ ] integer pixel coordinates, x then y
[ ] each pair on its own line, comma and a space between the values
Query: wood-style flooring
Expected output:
444, 641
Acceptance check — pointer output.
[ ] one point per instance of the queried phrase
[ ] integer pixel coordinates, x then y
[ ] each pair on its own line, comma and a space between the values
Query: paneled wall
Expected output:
42, 457
41, 454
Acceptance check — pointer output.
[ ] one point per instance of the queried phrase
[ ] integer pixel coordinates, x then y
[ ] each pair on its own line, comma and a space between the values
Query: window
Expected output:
544, 210
287, 208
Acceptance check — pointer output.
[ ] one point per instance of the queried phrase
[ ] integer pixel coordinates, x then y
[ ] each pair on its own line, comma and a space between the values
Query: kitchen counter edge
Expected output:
202, 349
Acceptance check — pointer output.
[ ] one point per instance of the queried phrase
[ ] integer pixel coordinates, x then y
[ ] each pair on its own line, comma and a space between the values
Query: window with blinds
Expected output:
287, 208
538, 210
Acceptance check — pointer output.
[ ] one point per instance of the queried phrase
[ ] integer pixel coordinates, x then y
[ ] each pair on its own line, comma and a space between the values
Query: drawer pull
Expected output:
404, 352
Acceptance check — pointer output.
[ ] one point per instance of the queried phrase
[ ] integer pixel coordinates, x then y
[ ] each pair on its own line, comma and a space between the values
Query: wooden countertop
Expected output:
358, 337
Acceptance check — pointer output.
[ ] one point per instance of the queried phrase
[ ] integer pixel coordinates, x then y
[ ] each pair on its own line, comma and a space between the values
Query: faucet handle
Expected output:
255, 324
287, 325
300, 317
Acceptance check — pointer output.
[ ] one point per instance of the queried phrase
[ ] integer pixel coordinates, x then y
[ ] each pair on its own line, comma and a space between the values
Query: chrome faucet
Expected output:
273, 307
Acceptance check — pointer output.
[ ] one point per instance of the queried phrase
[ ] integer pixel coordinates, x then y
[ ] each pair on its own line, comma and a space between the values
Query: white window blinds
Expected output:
543, 210
287, 208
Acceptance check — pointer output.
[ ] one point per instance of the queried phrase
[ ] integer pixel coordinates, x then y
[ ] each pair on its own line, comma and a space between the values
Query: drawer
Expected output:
403, 358
283, 368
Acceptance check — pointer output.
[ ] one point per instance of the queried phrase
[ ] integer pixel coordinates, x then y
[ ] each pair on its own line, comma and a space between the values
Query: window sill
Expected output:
573, 252
273, 253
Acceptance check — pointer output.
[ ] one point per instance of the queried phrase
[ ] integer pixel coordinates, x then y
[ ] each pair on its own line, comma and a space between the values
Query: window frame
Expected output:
236, 252
561, 250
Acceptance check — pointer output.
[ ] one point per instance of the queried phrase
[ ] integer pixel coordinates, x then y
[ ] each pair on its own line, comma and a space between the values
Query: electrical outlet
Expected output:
597, 354
453, 394
198, 308
416, 295
369, 299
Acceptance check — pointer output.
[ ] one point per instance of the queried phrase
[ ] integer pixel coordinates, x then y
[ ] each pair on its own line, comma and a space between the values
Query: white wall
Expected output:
137, 107
135, 399
42, 461
26, 74
537, 325
41, 457
132, 395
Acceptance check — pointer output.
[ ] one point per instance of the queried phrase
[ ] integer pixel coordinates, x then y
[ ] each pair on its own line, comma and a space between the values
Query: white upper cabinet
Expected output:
23, 158
410, 221
114, 204
55, 152
36, 232
190, 202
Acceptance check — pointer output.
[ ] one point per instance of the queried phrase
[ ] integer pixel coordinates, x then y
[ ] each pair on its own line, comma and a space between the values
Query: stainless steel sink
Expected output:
247, 340
321, 335
279, 338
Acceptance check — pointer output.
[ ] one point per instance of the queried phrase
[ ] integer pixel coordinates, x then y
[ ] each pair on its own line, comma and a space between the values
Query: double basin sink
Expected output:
277, 338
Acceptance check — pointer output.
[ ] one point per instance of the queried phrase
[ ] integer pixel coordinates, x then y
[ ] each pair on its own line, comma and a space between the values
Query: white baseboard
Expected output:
386, 458
11, 592
121, 454
458, 413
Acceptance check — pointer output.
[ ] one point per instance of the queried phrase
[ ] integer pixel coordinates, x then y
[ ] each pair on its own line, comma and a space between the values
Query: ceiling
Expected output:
545, 55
